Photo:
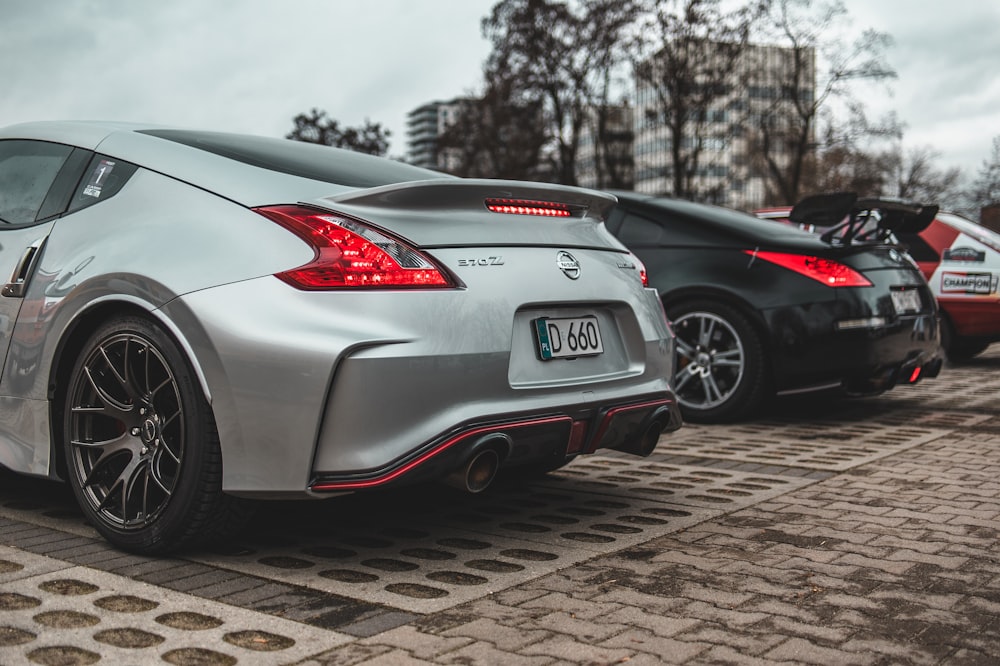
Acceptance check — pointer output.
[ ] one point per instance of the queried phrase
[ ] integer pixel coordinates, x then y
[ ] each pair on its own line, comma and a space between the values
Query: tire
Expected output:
965, 349
719, 364
141, 448
957, 348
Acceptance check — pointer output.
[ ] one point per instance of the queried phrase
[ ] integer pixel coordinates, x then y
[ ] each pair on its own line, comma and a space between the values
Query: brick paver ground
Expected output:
896, 562
893, 560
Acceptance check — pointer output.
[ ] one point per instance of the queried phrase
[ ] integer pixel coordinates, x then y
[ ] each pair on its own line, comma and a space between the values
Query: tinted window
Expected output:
103, 178
308, 160
27, 170
637, 230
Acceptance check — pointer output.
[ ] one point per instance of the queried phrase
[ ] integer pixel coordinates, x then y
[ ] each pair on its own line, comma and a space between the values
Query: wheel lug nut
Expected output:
135, 432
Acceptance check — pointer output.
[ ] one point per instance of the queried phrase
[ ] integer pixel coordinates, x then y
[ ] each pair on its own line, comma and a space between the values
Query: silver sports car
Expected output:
192, 318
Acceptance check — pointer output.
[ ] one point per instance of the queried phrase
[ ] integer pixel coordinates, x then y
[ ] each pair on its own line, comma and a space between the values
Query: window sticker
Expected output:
98, 177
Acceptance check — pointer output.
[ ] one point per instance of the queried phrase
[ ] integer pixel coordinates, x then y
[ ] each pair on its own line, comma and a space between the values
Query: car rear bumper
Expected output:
545, 440
811, 353
341, 386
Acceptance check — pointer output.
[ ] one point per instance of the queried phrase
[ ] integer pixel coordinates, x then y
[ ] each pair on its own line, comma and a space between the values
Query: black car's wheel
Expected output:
141, 447
719, 362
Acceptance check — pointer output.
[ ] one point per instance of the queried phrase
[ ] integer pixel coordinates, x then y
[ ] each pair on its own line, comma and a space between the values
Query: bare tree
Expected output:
807, 29
614, 140
916, 177
985, 189
561, 54
316, 127
842, 165
684, 59
496, 135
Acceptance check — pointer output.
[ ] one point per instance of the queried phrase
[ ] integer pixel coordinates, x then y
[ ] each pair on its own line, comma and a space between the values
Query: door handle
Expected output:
22, 272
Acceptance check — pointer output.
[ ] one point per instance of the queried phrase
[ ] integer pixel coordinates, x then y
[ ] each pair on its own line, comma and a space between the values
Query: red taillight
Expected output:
915, 375
642, 270
826, 271
350, 254
526, 207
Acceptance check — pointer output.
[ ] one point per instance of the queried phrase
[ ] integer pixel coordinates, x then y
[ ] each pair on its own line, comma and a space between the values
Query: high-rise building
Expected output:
754, 101
605, 156
424, 125
754, 98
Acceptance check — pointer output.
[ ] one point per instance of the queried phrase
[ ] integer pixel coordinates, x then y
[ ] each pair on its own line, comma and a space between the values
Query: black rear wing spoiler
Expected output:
900, 217
844, 215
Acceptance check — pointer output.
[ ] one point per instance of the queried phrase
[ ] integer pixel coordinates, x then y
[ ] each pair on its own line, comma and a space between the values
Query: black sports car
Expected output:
761, 309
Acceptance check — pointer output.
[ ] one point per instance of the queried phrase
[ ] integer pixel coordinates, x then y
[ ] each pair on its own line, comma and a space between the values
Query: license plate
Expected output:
906, 300
569, 337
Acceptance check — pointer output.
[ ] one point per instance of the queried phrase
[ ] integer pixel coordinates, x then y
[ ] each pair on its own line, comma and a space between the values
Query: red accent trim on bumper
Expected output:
390, 475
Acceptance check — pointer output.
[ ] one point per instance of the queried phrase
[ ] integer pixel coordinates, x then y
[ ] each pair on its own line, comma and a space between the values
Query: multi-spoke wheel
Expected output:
141, 447
718, 364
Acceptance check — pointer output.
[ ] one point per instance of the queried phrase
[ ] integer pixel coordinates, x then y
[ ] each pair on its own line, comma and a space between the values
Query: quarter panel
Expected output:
729, 270
13, 244
24, 435
243, 183
155, 240
368, 376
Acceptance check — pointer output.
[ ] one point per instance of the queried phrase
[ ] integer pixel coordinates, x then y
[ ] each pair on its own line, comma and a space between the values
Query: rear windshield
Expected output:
308, 160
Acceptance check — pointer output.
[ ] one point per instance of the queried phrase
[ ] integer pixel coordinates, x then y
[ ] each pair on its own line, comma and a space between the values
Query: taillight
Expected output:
826, 271
350, 254
642, 270
527, 207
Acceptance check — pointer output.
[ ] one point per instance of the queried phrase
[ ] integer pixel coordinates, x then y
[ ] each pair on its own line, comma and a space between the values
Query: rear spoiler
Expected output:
460, 212
471, 193
900, 217
843, 212
823, 210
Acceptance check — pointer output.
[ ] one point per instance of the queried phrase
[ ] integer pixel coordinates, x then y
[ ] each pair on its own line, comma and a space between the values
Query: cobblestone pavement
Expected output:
829, 532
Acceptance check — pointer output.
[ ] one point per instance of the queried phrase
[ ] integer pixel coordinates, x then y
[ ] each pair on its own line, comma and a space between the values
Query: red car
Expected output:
959, 258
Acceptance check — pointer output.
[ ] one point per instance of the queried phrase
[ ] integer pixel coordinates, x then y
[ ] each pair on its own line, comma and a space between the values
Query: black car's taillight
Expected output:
826, 271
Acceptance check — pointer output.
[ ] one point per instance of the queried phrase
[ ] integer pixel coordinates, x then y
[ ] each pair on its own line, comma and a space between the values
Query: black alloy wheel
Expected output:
141, 446
718, 362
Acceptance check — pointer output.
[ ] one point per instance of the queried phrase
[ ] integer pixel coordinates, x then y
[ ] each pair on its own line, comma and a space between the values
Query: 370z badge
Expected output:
483, 261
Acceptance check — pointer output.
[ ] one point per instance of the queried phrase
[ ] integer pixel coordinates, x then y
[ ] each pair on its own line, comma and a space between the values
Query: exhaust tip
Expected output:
644, 442
481, 471
650, 438
482, 465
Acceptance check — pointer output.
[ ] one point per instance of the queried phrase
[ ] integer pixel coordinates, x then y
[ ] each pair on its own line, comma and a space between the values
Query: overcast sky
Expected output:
252, 65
